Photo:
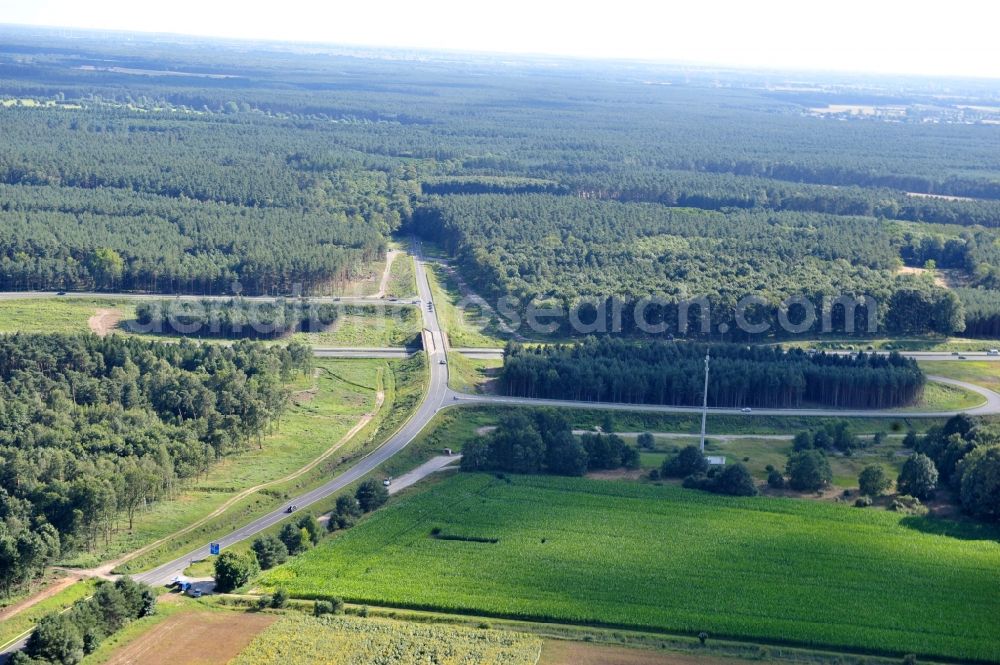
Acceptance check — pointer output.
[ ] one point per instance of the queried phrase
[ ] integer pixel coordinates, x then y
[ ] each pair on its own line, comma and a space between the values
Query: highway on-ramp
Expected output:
436, 395
990, 406
439, 396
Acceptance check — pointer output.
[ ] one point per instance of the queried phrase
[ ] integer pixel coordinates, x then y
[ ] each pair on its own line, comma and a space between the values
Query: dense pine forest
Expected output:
251, 171
542, 246
609, 369
236, 319
93, 429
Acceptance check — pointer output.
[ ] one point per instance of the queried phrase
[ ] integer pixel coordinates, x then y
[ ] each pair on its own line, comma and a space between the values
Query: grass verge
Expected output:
24, 621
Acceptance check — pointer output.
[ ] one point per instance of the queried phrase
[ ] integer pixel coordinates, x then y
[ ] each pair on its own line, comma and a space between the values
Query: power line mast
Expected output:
704, 404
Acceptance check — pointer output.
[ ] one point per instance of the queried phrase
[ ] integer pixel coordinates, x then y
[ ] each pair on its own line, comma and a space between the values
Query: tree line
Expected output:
720, 190
293, 175
555, 248
237, 318
962, 455
607, 369
543, 442
65, 638
94, 430
161, 204
692, 466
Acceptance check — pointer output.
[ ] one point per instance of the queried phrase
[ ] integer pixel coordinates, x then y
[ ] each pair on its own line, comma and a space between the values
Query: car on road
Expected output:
387, 482
291, 509
993, 352
962, 358
442, 362
954, 353
61, 293
745, 409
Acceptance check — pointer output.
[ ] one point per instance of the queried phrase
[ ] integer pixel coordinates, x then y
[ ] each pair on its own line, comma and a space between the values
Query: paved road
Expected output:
433, 465
352, 352
435, 399
439, 396
990, 407
337, 300
936, 355
497, 354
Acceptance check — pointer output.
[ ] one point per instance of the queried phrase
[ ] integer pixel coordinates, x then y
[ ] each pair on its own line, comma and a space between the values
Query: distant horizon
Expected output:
888, 39
525, 57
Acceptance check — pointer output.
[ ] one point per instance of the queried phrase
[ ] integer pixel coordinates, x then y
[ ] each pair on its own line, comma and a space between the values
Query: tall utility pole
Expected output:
704, 405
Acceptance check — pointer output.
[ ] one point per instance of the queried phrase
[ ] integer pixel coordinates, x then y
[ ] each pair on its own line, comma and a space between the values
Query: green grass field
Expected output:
57, 314
464, 327
368, 327
324, 408
405, 382
453, 426
665, 558
358, 326
928, 343
402, 278
944, 397
985, 373
471, 375
339, 640
757, 454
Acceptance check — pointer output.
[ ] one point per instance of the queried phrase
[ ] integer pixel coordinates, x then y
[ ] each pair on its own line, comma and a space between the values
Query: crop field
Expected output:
665, 558
299, 640
208, 636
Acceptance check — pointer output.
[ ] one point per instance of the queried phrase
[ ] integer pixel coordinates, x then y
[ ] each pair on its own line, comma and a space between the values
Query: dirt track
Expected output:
104, 321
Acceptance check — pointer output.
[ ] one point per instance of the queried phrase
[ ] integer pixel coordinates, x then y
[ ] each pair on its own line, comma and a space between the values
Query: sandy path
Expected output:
105, 569
104, 321
49, 591
384, 284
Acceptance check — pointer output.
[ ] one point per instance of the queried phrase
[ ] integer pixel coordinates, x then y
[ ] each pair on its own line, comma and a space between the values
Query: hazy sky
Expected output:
951, 37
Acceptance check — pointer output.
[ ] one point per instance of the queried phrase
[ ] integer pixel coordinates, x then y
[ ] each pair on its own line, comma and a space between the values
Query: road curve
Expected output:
436, 395
990, 407
439, 396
